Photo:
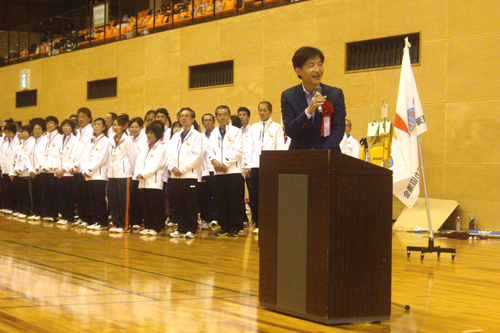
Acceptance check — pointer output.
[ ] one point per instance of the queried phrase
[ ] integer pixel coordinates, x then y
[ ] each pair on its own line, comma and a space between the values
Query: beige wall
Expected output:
457, 79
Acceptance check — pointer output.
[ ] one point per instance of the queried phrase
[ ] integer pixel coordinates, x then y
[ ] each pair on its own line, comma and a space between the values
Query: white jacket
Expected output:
63, 154
227, 151
266, 135
22, 154
151, 165
95, 161
186, 155
84, 136
50, 151
206, 165
123, 156
350, 146
36, 154
140, 143
8, 155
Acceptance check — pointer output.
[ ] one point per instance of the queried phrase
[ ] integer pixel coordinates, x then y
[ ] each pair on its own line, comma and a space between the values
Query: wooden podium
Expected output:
325, 236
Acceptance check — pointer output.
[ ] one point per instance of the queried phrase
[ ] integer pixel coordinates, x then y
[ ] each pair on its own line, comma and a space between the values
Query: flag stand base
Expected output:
431, 249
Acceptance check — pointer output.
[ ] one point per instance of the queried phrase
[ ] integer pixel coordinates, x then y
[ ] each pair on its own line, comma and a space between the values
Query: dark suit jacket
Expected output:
305, 133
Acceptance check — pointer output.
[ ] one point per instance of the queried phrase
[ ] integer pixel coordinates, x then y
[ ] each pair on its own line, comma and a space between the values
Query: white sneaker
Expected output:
177, 234
112, 230
119, 230
189, 234
204, 225
15, 214
101, 227
152, 232
32, 217
22, 216
144, 232
83, 224
8, 211
92, 227
136, 226
171, 224
255, 231
62, 222
37, 218
214, 224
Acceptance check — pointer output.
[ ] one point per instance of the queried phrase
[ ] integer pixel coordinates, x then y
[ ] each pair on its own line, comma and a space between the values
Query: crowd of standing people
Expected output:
142, 173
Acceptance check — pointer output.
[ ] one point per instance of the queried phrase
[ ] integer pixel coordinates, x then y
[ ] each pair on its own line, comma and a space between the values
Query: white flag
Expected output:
409, 123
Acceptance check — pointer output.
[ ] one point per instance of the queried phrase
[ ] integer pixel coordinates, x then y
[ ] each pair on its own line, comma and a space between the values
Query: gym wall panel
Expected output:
248, 52
473, 69
399, 17
162, 55
330, 21
472, 18
433, 141
472, 133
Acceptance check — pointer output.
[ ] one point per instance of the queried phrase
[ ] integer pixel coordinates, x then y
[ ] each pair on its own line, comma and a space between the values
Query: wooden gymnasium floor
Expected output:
65, 279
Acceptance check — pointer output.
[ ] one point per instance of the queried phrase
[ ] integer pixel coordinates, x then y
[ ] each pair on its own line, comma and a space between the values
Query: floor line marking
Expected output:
136, 269
78, 278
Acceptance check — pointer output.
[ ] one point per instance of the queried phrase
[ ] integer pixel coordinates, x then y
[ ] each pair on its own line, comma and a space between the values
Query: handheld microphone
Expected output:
318, 90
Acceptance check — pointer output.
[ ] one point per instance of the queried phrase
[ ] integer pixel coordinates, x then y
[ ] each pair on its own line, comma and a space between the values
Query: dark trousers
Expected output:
49, 195
22, 185
244, 207
119, 201
253, 191
205, 198
135, 211
9, 195
153, 206
36, 196
66, 197
82, 200
98, 207
228, 198
183, 196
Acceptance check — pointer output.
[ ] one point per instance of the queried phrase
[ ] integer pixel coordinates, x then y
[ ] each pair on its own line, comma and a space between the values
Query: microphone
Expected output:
318, 90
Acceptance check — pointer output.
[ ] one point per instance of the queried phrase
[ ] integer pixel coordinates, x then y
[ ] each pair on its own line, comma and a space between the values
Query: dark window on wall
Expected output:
209, 75
102, 88
381, 52
26, 98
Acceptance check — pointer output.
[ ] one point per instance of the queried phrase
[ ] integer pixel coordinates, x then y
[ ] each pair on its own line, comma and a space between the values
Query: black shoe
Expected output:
221, 232
233, 233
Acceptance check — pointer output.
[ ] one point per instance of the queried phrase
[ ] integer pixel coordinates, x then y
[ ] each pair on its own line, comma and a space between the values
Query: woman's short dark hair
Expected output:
137, 120
53, 119
268, 104
85, 111
105, 132
124, 115
150, 112
121, 120
163, 111
236, 121
26, 128
305, 53
11, 127
176, 123
245, 109
156, 129
40, 122
70, 123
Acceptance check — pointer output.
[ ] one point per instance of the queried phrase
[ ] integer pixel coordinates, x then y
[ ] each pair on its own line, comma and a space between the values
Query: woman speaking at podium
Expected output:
313, 113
